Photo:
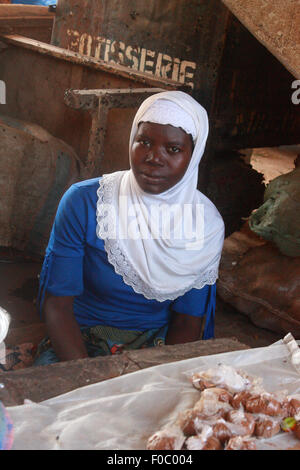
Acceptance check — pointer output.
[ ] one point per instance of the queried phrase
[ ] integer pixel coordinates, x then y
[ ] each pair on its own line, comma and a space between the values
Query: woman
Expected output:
133, 257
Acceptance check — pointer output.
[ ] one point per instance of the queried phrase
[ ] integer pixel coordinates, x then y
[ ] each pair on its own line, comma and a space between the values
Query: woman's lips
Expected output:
152, 178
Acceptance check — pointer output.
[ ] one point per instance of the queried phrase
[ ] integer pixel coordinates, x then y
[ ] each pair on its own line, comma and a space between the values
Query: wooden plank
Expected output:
96, 64
44, 382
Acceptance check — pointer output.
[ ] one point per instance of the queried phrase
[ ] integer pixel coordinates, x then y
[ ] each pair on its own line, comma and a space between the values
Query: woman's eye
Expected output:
144, 142
174, 149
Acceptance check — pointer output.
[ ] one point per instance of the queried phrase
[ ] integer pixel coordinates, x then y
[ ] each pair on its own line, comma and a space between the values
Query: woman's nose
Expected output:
154, 157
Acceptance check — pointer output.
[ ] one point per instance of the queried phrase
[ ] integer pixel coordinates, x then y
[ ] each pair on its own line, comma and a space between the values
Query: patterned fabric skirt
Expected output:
104, 340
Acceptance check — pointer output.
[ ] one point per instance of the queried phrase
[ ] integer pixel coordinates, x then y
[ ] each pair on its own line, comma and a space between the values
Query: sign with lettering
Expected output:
138, 58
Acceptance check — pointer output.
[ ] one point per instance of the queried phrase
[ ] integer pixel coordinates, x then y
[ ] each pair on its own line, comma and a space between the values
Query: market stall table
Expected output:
44, 382
122, 413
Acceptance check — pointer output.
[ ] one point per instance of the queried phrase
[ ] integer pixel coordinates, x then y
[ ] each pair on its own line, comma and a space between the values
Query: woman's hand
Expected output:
63, 329
184, 328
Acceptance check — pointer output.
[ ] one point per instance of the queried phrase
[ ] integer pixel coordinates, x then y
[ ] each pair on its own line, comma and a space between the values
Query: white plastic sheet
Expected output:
121, 413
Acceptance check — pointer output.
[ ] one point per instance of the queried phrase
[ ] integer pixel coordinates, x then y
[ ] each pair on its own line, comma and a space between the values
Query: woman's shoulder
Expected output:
86, 185
79, 197
84, 189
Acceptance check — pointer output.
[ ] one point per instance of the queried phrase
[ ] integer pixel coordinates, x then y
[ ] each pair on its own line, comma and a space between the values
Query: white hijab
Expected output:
154, 265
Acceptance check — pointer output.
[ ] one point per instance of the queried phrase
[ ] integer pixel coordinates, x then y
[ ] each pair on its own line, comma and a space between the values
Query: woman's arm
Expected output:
184, 328
63, 330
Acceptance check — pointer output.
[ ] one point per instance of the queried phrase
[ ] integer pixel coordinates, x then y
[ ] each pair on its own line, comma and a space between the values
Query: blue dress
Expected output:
76, 265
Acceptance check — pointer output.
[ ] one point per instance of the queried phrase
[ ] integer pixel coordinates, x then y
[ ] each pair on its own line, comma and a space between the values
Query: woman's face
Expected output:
160, 155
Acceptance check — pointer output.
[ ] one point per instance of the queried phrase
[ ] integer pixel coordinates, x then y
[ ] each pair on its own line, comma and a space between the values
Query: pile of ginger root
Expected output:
232, 413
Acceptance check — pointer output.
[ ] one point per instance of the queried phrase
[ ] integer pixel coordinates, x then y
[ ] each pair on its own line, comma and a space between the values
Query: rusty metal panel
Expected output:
177, 40
47, 73
29, 20
112, 113
276, 24
253, 104
200, 43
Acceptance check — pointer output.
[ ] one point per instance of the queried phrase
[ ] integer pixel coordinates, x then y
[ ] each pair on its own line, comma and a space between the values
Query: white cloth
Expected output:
168, 112
4, 324
163, 268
